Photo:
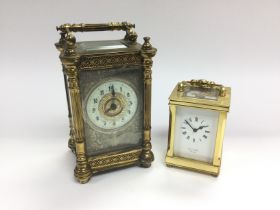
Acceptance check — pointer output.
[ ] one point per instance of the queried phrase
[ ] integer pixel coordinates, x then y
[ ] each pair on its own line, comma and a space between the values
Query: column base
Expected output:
82, 175
146, 159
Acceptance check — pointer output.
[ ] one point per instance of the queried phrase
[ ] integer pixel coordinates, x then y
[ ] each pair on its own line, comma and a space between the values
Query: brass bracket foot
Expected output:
146, 158
82, 175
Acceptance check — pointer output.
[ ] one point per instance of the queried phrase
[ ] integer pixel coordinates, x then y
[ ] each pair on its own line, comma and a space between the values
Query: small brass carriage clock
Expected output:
198, 111
108, 88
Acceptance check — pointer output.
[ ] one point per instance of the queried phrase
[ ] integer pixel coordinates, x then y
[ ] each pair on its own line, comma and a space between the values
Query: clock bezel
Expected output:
85, 114
74, 61
176, 99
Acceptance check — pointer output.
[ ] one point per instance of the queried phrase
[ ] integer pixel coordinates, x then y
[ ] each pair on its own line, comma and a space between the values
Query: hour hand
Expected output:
202, 126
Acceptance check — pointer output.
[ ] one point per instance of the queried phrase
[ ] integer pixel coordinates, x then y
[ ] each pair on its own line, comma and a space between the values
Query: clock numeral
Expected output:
202, 121
93, 110
193, 139
97, 117
183, 127
190, 119
105, 123
128, 111
114, 123
120, 89
102, 92
196, 119
110, 88
184, 133
130, 102
95, 100
207, 131
128, 94
204, 136
188, 137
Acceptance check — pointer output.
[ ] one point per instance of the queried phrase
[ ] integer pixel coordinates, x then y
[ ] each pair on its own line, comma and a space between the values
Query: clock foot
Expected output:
82, 171
82, 175
147, 156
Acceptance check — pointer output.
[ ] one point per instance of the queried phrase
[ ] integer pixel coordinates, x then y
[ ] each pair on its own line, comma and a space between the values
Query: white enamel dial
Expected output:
195, 133
111, 105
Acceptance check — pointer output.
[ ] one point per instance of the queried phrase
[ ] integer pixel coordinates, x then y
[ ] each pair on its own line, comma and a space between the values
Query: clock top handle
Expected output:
202, 84
131, 35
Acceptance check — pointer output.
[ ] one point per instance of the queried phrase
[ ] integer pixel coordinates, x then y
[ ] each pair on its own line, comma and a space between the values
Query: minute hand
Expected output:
189, 124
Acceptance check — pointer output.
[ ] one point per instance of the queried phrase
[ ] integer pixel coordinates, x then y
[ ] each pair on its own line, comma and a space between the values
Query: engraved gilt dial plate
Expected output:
111, 105
195, 133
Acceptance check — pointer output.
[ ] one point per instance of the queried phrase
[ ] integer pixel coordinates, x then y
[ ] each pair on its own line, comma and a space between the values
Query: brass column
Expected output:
82, 170
60, 47
147, 52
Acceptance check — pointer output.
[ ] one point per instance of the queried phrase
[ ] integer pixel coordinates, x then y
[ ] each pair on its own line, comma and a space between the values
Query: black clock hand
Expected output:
113, 107
113, 91
113, 94
202, 126
189, 125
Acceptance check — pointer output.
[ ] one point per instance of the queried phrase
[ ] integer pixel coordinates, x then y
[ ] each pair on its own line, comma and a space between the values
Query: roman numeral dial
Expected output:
195, 129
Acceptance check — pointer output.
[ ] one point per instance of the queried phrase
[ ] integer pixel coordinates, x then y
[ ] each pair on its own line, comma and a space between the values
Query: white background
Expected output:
236, 43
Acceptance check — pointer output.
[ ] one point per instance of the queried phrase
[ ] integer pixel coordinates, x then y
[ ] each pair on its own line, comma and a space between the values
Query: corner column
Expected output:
82, 171
60, 47
147, 52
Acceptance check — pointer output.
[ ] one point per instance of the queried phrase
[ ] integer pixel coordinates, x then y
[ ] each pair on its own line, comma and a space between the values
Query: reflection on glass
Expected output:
201, 93
120, 46
110, 45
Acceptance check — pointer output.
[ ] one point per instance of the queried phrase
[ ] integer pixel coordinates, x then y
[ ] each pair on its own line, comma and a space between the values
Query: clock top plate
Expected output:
200, 96
114, 46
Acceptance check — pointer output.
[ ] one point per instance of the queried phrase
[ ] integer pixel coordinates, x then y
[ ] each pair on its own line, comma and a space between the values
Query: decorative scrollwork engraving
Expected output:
202, 84
107, 61
115, 159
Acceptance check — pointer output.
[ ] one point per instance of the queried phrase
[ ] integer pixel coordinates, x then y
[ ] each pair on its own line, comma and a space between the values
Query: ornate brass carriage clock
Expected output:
108, 87
198, 111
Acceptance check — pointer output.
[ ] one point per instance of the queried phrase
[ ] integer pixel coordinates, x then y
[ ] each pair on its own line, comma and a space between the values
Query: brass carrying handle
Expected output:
113, 26
202, 84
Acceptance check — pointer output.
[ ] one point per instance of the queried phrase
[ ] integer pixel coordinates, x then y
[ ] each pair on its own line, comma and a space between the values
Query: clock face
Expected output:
111, 105
195, 133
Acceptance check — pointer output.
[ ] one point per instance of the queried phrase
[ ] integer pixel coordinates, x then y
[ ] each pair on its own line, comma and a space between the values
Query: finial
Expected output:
147, 45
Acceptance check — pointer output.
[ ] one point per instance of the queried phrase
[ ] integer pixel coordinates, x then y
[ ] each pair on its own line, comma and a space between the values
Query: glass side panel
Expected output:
97, 45
201, 93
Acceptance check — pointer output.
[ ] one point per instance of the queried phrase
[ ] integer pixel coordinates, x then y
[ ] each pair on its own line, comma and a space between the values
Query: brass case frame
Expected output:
74, 62
221, 105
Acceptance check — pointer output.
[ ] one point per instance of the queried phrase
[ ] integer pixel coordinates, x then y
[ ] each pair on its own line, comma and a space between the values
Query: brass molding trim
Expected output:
103, 162
192, 165
196, 105
89, 62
